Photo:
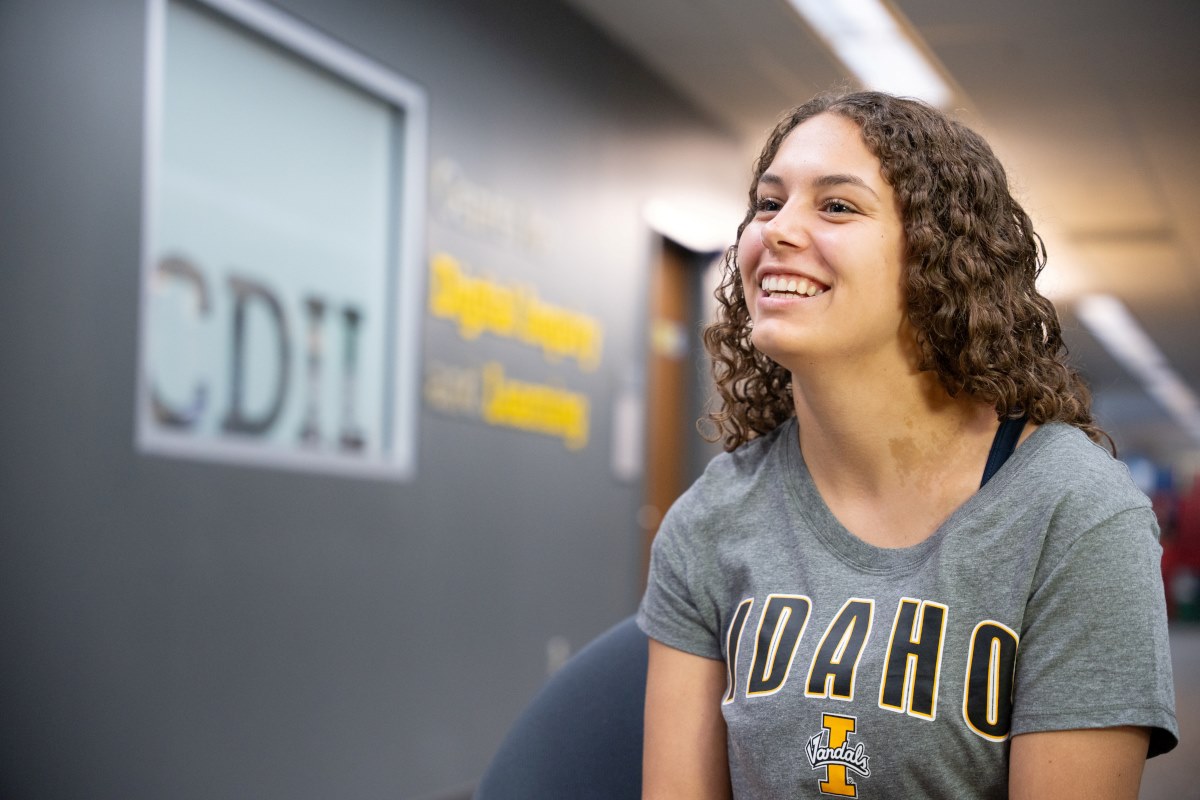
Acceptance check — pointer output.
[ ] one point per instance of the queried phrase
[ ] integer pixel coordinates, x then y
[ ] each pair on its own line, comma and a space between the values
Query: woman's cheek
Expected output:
749, 250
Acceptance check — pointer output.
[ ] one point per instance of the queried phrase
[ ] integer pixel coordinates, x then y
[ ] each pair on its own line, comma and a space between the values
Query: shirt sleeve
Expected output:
1094, 651
674, 610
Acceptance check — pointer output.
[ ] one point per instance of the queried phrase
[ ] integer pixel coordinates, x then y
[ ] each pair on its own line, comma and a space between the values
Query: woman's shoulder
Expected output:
733, 479
761, 458
1061, 463
1068, 452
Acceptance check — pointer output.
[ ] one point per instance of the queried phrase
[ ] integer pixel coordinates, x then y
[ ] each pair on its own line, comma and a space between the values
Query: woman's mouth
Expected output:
777, 285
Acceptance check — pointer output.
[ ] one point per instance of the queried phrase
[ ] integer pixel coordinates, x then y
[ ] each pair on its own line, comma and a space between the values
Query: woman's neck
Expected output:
875, 441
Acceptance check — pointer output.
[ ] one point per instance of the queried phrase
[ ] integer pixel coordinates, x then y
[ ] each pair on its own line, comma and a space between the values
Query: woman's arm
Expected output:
685, 733
1094, 764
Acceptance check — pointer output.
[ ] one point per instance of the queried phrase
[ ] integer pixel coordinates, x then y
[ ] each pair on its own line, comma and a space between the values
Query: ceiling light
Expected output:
1114, 327
874, 44
699, 222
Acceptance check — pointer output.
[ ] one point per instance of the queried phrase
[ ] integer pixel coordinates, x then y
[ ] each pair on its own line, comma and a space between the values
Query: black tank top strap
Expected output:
1003, 445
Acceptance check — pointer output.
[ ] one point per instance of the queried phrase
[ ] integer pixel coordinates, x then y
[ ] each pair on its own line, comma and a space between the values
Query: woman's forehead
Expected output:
828, 148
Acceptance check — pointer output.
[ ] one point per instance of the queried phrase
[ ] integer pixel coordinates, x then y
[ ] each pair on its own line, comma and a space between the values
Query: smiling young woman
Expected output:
914, 573
824, 215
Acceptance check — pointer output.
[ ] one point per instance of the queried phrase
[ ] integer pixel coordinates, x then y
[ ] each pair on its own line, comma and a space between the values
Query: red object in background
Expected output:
1180, 523
1187, 525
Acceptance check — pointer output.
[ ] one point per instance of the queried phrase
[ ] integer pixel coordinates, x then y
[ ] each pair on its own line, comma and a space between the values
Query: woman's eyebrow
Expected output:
824, 181
840, 179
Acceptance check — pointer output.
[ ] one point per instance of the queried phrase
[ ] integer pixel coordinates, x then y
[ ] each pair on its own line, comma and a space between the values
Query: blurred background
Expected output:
350, 349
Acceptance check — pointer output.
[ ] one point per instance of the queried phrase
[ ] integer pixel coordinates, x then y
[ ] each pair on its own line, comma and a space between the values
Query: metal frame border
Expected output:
297, 37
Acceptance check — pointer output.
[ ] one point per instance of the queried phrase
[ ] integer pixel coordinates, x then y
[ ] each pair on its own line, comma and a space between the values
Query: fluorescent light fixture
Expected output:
1114, 327
877, 47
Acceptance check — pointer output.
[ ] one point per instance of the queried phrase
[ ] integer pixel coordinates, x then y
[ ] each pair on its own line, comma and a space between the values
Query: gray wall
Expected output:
175, 629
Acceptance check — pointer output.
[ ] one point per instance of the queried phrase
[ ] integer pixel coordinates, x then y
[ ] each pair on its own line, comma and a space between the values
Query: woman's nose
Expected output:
786, 229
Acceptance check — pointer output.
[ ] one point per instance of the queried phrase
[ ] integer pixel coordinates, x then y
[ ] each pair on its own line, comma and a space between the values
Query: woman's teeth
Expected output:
774, 284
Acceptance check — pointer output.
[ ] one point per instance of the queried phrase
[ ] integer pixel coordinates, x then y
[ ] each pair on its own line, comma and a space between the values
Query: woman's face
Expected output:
822, 259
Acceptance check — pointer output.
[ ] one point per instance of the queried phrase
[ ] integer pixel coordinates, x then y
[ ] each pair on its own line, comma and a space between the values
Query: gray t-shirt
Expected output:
869, 672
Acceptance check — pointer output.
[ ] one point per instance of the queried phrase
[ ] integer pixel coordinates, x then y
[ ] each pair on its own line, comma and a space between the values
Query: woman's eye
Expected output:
767, 204
837, 207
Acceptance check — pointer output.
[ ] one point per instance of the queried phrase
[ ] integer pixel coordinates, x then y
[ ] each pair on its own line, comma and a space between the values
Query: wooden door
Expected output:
672, 334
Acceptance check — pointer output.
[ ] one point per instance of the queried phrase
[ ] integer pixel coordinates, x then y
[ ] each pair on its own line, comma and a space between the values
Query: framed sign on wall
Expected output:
283, 216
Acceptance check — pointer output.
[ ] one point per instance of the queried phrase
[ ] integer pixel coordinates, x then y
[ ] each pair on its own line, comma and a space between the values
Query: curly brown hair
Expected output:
972, 260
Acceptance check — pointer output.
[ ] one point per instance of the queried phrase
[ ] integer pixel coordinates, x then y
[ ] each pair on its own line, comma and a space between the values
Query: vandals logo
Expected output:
831, 749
